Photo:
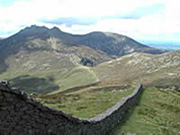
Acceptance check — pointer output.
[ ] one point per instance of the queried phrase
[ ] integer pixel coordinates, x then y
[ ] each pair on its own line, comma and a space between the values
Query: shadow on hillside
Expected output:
116, 130
4, 66
31, 84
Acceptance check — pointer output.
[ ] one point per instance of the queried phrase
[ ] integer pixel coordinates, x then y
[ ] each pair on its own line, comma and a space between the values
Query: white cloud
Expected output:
172, 17
107, 13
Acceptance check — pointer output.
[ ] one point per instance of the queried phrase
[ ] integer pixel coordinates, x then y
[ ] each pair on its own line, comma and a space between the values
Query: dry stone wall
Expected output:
20, 115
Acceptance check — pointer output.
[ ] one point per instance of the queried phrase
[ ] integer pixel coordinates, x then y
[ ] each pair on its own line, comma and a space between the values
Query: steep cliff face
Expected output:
25, 116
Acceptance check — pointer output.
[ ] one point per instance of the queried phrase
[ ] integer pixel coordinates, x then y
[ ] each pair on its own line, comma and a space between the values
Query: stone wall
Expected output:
20, 115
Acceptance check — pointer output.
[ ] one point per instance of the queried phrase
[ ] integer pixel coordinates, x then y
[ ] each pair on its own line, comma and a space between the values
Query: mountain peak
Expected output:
55, 28
41, 28
34, 28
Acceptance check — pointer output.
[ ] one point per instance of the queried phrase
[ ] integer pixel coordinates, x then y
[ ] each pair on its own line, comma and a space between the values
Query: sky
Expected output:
140, 19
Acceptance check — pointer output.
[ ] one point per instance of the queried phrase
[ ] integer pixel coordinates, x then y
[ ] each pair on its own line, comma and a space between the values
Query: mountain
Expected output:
97, 46
115, 44
167, 45
41, 39
47, 60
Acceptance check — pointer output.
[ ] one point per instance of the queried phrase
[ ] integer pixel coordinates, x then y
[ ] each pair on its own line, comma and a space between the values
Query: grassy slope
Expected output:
78, 76
52, 72
85, 103
55, 80
158, 113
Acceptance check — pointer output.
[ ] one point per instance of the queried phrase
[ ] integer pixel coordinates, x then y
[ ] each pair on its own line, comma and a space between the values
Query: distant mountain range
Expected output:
166, 45
109, 43
50, 59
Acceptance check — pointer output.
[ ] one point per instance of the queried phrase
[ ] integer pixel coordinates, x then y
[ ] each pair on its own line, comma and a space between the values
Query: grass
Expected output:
78, 76
158, 113
41, 85
167, 82
50, 81
85, 103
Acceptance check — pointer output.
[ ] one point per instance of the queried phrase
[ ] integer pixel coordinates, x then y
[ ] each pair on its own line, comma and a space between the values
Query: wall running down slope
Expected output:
20, 115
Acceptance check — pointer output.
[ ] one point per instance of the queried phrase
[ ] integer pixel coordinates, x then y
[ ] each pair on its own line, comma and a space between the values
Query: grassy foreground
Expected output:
158, 113
85, 103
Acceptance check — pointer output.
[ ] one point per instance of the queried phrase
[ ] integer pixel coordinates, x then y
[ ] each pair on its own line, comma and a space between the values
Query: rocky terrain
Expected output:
159, 70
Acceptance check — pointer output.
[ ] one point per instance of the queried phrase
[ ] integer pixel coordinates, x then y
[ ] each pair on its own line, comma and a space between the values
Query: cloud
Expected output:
139, 12
147, 10
69, 21
92, 19
141, 19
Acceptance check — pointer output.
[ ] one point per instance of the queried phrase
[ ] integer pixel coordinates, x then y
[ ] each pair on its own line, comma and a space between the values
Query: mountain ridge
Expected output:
95, 40
58, 60
36, 38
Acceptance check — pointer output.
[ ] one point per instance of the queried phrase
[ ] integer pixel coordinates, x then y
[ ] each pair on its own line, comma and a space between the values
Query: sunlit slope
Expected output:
149, 69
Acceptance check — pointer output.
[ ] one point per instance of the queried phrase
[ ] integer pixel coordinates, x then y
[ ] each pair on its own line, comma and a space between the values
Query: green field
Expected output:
158, 113
85, 103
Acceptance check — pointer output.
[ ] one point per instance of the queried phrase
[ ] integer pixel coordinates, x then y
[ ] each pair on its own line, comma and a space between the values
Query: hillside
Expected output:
157, 113
115, 44
41, 60
157, 70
